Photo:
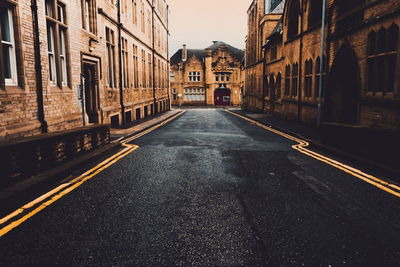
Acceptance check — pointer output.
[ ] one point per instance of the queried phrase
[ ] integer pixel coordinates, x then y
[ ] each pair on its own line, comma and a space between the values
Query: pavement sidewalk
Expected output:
291, 127
313, 136
29, 186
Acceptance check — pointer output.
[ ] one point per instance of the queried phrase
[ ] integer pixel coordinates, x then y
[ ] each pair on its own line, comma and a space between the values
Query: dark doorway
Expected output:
146, 111
222, 97
128, 117
151, 109
114, 121
343, 87
90, 82
138, 117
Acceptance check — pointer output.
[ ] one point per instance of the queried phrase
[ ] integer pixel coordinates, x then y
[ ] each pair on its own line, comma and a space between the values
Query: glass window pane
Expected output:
7, 62
60, 10
49, 8
5, 25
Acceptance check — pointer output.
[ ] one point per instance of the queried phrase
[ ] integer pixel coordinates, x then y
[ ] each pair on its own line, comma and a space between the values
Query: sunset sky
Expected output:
198, 23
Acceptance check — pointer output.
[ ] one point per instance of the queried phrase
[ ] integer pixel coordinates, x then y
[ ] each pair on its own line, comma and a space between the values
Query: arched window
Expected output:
295, 79
278, 86
371, 61
393, 41
272, 85
287, 80
381, 59
315, 12
293, 18
266, 85
308, 73
371, 43
318, 76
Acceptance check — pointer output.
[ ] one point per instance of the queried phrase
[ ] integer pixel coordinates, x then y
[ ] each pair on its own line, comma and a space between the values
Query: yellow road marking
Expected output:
130, 139
32, 203
66, 188
301, 147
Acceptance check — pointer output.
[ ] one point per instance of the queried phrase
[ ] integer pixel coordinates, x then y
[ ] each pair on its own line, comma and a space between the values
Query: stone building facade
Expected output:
360, 66
207, 77
65, 64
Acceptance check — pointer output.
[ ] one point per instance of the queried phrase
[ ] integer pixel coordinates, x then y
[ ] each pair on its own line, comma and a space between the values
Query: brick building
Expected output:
207, 77
112, 54
360, 63
263, 16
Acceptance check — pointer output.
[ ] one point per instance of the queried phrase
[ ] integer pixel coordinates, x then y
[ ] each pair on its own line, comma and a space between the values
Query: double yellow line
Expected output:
130, 139
30, 209
302, 148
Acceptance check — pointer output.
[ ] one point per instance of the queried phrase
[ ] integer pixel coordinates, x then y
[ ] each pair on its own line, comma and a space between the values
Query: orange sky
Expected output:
199, 22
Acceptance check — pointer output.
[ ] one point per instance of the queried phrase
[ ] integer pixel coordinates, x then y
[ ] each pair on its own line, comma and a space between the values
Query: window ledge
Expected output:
91, 34
12, 89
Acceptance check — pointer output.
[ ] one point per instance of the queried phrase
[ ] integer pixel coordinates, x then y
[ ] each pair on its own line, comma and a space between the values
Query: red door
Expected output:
222, 97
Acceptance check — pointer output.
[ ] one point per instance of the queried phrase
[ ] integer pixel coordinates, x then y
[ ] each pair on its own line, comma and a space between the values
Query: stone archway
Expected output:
343, 88
222, 97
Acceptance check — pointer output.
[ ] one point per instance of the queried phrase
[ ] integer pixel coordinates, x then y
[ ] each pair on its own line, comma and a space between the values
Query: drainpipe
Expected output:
38, 68
264, 79
154, 61
169, 66
300, 74
319, 115
121, 86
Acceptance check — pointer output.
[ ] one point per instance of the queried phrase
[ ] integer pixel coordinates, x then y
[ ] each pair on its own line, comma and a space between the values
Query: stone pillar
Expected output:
209, 78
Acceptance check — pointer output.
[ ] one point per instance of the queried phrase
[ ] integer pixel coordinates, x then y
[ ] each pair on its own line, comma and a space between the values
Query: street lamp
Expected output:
179, 85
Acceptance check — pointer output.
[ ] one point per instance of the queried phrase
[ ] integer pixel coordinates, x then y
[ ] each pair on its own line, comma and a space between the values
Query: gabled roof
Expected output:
202, 53
237, 53
177, 57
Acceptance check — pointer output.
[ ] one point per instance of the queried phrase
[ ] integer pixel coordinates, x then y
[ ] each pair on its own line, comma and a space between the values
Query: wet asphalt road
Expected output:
210, 189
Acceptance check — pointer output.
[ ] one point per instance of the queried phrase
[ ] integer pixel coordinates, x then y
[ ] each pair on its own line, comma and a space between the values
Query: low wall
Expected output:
26, 157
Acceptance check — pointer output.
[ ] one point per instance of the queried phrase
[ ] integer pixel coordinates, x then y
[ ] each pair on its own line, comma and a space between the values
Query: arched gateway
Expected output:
222, 97
342, 94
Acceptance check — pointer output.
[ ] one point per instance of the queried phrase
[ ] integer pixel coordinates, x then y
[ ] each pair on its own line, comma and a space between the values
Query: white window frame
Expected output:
63, 58
51, 53
87, 14
194, 76
11, 45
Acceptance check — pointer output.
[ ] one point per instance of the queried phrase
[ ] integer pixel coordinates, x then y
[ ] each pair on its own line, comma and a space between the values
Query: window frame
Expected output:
57, 38
110, 58
89, 19
13, 80
308, 78
194, 76
125, 62
382, 53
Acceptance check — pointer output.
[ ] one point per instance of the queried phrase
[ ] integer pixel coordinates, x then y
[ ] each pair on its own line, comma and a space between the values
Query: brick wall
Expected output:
374, 109
62, 108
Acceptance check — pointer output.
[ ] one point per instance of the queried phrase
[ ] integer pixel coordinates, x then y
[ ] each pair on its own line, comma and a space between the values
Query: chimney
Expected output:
184, 53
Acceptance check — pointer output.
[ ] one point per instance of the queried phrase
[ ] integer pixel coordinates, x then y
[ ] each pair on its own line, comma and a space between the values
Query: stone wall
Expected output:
29, 156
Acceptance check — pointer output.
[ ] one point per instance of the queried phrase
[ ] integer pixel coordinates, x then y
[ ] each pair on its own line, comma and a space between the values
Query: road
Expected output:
211, 189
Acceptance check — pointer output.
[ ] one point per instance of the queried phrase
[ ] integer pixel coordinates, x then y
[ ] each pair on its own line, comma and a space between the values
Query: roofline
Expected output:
252, 3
